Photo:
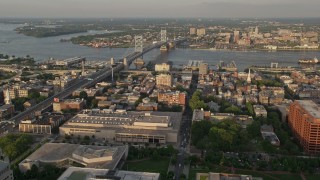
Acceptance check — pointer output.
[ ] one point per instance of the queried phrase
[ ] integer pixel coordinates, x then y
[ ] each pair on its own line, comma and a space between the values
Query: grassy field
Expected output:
269, 176
159, 166
312, 176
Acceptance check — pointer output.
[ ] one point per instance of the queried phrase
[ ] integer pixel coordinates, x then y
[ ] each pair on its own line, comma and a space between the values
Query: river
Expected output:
41, 49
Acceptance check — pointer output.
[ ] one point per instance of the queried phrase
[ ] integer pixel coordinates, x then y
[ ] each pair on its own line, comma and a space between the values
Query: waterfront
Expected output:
41, 49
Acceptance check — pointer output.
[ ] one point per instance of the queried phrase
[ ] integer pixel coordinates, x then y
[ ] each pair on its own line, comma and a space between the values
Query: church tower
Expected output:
249, 77
7, 99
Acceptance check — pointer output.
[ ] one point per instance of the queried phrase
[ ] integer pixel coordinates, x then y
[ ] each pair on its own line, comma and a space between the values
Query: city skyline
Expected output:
164, 8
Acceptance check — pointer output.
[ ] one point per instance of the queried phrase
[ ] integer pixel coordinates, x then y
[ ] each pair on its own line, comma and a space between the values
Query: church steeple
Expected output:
249, 77
7, 99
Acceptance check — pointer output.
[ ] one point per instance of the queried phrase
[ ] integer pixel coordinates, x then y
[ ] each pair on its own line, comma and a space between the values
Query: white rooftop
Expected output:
76, 173
311, 107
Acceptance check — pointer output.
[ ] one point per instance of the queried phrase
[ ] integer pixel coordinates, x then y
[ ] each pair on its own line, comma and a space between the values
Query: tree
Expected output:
32, 173
254, 129
83, 95
233, 109
170, 175
250, 108
183, 176
193, 159
155, 155
196, 102
221, 138
200, 130
13, 145
94, 103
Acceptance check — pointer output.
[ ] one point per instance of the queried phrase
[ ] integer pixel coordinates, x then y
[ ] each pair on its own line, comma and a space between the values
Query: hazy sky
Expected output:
159, 8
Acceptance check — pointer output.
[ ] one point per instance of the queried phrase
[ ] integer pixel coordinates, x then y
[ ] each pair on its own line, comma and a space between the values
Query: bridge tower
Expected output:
125, 64
112, 73
82, 70
163, 34
138, 40
274, 65
112, 61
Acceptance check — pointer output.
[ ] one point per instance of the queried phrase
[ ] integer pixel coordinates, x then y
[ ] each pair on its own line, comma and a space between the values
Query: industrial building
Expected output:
70, 61
193, 65
123, 126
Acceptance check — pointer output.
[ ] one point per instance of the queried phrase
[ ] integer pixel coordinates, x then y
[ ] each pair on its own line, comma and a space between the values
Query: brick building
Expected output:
304, 120
172, 98
68, 104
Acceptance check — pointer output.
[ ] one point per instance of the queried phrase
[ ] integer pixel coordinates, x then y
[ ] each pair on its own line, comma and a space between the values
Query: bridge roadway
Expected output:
82, 83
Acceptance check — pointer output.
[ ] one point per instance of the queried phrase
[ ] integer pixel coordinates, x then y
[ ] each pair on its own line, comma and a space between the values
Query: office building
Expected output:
201, 32
193, 31
203, 69
68, 104
256, 30
236, 36
304, 120
164, 67
123, 126
260, 111
98, 174
164, 80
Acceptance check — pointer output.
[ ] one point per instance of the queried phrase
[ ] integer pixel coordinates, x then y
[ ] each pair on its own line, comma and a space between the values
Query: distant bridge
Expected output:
89, 81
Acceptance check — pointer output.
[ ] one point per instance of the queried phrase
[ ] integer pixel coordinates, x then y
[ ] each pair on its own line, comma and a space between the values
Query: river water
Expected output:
41, 49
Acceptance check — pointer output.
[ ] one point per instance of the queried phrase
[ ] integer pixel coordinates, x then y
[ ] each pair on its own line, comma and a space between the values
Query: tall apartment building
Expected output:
203, 69
236, 36
164, 80
164, 67
304, 120
201, 32
193, 31
172, 98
